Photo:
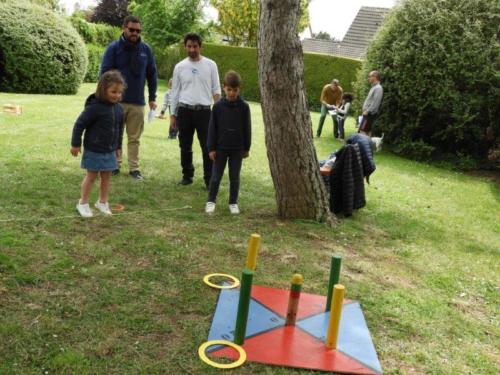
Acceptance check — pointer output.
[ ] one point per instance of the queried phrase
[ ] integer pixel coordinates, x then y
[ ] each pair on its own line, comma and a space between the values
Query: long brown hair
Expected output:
111, 77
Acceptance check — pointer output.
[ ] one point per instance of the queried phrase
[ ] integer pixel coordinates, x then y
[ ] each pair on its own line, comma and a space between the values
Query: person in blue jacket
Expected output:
102, 123
135, 61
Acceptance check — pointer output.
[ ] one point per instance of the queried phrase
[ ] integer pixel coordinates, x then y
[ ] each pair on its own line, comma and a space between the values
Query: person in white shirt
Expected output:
342, 113
195, 87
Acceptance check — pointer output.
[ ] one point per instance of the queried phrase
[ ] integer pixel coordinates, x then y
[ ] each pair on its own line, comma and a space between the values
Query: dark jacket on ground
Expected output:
347, 187
137, 64
365, 147
230, 126
103, 126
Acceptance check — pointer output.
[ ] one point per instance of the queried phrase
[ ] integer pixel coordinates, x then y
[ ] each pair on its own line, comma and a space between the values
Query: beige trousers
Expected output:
134, 125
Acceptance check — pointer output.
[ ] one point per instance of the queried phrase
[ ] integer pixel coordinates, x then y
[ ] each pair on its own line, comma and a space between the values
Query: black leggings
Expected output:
234, 159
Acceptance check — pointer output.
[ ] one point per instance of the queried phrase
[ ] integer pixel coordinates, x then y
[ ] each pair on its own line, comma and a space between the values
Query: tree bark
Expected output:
300, 192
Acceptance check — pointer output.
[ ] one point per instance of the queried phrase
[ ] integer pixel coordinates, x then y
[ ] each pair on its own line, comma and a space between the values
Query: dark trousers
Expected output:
341, 131
367, 123
324, 112
189, 121
234, 159
336, 133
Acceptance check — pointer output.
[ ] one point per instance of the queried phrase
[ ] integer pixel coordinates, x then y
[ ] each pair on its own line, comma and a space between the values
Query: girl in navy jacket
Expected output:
101, 120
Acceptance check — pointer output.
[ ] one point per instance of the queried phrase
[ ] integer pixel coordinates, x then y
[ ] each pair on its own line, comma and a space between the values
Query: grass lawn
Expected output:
125, 295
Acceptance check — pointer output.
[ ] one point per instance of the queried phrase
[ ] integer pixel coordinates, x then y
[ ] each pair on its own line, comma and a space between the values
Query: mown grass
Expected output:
124, 294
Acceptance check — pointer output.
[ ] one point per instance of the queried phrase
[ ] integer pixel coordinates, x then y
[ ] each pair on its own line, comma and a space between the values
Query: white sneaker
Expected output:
103, 207
210, 208
234, 209
84, 209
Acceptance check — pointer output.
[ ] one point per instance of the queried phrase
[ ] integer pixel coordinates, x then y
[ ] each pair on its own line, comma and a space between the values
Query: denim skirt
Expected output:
98, 162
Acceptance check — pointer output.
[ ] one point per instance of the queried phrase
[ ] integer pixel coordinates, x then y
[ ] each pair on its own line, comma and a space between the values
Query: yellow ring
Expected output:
235, 283
208, 361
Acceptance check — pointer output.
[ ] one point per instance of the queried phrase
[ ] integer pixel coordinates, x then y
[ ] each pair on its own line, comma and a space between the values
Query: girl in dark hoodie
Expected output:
102, 122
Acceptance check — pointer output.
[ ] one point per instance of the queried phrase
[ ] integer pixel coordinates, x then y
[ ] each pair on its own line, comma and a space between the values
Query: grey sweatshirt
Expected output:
373, 100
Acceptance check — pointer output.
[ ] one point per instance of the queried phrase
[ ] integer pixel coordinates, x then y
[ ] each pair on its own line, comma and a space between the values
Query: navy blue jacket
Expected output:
103, 126
230, 126
121, 55
347, 188
366, 149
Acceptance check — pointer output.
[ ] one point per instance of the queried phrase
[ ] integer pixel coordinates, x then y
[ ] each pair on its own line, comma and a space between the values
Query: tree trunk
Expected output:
300, 192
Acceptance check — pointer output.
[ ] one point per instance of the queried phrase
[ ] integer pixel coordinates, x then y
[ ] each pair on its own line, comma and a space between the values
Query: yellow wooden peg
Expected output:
335, 313
253, 249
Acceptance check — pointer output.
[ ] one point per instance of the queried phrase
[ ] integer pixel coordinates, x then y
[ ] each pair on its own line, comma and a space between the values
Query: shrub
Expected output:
41, 52
110, 12
95, 56
241, 59
166, 60
438, 61
165, 22
105, 34
95, 33
84, 28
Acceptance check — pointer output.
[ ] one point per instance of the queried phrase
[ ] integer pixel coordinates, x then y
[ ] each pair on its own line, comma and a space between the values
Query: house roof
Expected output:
320, 46
356, 40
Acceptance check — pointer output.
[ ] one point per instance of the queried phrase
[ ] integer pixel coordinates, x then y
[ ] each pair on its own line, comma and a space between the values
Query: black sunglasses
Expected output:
132, 30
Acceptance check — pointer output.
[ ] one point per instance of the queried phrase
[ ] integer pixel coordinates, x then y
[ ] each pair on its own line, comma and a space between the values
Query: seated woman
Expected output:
366, 148
325, 166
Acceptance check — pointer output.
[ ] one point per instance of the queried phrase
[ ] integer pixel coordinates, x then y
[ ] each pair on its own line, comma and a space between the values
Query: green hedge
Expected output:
95, 33
319, 69
241, 59
97, 36
95, 55
166, 60
39, 51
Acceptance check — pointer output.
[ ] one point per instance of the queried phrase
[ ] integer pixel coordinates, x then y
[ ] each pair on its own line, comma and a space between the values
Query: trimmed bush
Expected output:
318, 69
95, 33
41, 52
241, 59
438, 61
95, 56
166, 60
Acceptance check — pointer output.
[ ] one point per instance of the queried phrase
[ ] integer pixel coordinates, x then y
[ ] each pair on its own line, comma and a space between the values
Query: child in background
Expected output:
229, 138
102, 122
172, 131
342, 113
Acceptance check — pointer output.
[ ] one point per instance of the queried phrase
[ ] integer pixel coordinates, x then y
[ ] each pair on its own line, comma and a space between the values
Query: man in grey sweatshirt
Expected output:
371, 106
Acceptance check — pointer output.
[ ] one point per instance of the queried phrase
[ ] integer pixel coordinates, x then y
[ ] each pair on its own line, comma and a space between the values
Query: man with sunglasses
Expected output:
135, 60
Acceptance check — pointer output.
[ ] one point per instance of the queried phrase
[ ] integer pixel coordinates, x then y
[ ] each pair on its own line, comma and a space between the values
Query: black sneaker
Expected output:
185, 181
137, 175
115, 172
